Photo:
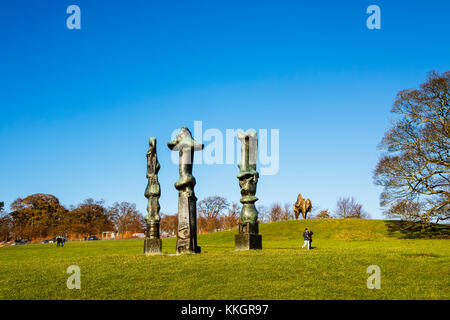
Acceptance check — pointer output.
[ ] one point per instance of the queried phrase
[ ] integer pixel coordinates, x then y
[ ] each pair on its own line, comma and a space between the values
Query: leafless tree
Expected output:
324, 214
127, 218
287, 212
231, 219
408, 210
415, 166
276, 213
314, 212
347, 208
169, 224
210, 209
263, 213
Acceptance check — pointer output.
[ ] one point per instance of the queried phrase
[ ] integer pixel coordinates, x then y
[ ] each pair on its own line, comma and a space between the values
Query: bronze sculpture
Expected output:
248, 237
187, 202
152, 243
302, 205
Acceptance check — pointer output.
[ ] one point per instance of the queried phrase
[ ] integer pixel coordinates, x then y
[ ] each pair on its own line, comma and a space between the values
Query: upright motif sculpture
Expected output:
248, 237
152, 243
187, 202
302, 205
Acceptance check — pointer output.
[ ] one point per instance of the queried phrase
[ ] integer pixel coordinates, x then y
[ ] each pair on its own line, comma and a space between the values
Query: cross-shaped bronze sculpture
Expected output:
187, 202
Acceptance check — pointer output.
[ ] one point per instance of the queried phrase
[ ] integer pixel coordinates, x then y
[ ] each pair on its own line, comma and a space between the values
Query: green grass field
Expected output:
412, 267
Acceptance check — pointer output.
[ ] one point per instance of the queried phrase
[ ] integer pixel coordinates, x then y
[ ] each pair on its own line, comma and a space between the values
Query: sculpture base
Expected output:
248, 241
185, 250
248, 227
152, 246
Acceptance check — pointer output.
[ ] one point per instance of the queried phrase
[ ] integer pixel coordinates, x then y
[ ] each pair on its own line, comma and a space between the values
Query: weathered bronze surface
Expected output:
248, 176
187, 202
302, 205
152, 244
248, 237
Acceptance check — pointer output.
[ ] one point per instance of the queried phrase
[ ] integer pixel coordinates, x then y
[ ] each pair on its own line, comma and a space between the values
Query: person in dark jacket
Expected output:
307, 236
310, 238
58, 241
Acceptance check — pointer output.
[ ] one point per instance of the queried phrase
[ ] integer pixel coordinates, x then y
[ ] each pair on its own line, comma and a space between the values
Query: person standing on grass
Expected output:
58, 241
307, 236
310, 238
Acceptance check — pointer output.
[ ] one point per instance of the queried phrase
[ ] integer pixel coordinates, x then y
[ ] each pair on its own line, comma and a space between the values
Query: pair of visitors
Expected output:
307, 236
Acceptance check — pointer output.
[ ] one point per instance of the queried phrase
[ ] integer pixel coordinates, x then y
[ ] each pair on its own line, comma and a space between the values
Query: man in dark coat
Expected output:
307, 236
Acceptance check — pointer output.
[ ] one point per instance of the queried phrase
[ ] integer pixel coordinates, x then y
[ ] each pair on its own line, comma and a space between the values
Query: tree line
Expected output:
217, 214
346, 208
40, 216
214, 214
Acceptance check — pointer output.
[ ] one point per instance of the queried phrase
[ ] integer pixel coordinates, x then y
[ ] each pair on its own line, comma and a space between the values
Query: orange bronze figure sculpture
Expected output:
303, 205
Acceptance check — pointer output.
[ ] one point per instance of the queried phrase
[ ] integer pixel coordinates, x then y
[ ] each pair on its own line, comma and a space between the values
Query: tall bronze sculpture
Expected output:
302, 205
152, 243
187, 202
248, 237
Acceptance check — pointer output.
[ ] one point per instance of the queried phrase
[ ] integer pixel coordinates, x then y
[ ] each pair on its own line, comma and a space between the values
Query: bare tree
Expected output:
347, 208
287, 212
209, 210
169, 224
263, 213
127, 218
343, 208
324, 214
415, 166
408, 210
276, 213
231, 219
314, 212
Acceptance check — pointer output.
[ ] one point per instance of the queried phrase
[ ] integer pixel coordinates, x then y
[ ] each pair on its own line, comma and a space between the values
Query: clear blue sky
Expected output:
77, 106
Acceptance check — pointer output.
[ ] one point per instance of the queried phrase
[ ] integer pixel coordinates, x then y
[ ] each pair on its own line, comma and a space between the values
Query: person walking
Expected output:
310, 238
307, 237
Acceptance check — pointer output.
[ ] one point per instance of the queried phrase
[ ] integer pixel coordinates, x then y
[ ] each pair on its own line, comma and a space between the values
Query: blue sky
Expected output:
78, 106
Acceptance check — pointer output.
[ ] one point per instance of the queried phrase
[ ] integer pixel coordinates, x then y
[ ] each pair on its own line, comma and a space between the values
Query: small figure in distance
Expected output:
58, 241
310, 238
307, 236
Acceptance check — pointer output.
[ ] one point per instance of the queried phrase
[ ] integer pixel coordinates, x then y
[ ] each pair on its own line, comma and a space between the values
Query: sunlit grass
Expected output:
334, 269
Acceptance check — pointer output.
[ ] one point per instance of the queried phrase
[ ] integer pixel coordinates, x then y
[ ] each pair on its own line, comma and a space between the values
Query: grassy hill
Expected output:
413, 266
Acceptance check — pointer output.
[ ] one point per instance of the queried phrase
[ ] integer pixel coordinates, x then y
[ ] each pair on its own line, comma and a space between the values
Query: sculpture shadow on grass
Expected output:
415, 230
